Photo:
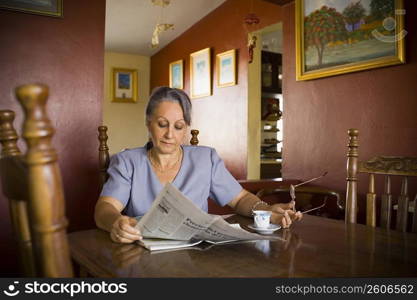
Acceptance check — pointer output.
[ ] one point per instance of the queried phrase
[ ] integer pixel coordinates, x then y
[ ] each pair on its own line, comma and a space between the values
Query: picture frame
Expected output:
51, 8
124, 85
226, 68
200, 73
176, 74
358, 35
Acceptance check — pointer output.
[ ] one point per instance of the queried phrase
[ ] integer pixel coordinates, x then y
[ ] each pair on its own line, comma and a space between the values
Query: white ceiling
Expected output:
130, 23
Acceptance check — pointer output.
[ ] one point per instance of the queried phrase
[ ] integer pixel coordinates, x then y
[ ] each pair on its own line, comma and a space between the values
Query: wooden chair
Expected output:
389, 166
266, 188
32, 183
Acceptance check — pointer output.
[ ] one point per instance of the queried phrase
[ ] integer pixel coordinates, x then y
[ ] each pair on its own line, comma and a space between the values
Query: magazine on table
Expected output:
175, 222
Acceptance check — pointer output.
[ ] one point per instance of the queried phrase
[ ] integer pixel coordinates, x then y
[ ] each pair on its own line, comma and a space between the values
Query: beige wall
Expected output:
126, 121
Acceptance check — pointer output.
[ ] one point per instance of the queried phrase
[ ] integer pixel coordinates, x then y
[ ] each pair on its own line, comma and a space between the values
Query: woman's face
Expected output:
167, 127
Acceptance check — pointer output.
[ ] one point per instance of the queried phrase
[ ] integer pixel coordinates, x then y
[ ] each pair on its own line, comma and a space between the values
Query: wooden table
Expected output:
314, 247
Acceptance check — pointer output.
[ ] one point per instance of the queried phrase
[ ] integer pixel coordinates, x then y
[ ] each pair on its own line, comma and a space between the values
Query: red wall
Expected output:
381, 103
68, 55
222, 117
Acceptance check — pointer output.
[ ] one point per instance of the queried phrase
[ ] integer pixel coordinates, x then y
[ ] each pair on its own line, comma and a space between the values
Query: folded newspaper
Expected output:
174, 221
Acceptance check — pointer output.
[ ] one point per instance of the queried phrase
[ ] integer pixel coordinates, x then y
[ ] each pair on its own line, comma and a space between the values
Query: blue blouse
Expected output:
202, 174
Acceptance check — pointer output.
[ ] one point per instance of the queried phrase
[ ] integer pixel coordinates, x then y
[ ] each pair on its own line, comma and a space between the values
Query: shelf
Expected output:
272, 117
270, 95
271, 130
269, 144
270, 162
271, 155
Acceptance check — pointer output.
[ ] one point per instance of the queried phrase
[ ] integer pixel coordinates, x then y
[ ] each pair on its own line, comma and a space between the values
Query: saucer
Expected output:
268, 230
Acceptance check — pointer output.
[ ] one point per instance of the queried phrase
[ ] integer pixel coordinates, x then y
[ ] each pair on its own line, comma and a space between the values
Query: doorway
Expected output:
265, 105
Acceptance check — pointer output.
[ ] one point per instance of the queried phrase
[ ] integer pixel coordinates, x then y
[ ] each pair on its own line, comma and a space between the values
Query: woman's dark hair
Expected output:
164, 93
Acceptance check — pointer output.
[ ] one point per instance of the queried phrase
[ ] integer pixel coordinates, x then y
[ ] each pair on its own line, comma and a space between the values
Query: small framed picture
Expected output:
124, 85
226, 68
52, 8
200, 73
176, 79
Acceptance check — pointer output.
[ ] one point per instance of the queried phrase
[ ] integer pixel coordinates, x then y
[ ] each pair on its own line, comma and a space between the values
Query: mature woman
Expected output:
136, 176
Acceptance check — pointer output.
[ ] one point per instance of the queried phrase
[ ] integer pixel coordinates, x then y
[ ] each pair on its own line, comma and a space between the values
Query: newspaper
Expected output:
174, 221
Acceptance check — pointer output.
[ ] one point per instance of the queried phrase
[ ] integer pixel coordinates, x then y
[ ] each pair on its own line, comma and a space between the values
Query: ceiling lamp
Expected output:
160, 26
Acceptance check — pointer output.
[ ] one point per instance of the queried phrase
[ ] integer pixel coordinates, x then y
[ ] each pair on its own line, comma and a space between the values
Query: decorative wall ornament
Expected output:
251, 20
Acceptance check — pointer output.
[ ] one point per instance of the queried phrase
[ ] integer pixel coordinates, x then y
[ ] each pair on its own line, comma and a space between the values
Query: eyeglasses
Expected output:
292, 193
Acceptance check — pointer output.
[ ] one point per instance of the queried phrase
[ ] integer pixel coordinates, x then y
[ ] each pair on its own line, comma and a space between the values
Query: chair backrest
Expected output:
388, 166
104, 155
32, 183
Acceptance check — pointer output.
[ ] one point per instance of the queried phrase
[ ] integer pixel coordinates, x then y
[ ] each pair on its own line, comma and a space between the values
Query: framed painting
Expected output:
52, 8
176, 72
200, 73
124, 85
226, 68
337, 37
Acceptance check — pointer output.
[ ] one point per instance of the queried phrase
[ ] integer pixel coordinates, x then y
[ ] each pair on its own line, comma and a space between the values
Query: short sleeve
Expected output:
224, 187
118, 185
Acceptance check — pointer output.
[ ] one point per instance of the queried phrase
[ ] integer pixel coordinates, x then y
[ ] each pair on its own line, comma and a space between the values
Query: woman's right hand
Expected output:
123, 230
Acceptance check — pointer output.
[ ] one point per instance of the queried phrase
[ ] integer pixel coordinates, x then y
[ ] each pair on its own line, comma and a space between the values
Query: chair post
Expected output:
371, 202
8, 135
103, 156
402, 211
46, 199
414, 223
352, 169
18, 207
194, 139
386, 204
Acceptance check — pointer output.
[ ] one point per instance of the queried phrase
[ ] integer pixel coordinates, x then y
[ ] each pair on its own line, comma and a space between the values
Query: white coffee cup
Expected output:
262, 218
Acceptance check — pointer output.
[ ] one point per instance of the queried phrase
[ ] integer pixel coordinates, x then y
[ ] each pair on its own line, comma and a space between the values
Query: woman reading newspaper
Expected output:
136, 176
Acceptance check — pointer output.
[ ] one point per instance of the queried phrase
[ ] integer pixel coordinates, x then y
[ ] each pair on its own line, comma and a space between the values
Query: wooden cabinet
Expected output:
271, 113
271, 72
271, 169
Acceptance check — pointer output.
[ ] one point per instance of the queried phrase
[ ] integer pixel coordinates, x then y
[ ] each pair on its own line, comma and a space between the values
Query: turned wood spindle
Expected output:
194, 139
371, 202
414, 223
46, 199
14, 183
402, 210
352, 169
386, 204
8, 135
104, 156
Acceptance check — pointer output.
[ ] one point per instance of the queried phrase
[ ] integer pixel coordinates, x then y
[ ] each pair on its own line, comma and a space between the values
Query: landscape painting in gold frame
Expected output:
51, 8
226, 68
337, 37
124, 85
176, 79
200, 73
